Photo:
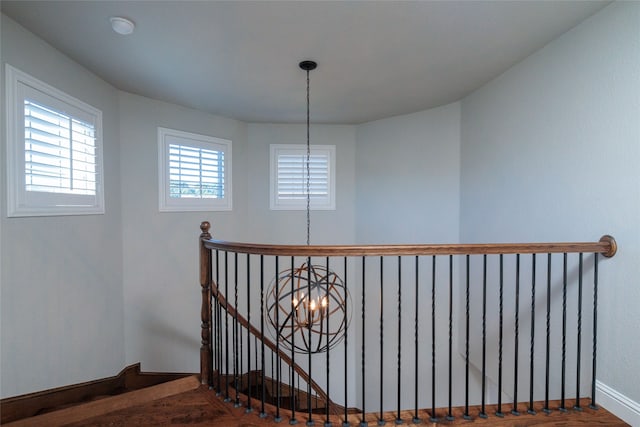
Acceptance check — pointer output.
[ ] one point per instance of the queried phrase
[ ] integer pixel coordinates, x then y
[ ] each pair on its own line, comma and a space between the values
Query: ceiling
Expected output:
239, 59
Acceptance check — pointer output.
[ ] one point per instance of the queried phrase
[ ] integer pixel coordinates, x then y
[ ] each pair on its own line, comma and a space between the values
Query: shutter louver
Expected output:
59, 150
289, 177
195, 172
292, 176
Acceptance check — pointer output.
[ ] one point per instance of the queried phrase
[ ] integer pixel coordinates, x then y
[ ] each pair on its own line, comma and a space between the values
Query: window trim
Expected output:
295, 205
169, 204
19, 203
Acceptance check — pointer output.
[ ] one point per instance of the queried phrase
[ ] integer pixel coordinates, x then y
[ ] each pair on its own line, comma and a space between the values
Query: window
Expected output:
195, 171
289, 177
54, 150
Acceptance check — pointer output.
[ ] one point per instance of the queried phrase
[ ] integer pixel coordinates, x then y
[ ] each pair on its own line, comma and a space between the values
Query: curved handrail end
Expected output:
613, 246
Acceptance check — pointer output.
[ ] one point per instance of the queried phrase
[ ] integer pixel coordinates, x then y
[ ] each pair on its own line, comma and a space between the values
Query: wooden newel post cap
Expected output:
613, 246
205, 226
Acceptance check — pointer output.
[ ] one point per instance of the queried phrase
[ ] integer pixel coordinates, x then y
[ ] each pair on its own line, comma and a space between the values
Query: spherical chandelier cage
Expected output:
307, 309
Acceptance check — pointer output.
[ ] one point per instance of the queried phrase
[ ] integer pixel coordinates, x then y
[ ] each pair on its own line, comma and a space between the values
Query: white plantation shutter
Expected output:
54, 150
195, 171
292, 176
289, 177
60, 152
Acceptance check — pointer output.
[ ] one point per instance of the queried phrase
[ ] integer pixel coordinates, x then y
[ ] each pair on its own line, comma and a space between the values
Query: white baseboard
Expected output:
618, 404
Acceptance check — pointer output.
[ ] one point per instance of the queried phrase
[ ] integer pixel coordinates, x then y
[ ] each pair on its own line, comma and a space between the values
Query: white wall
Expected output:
408, 178
160, 249
407, 187
550, 152
61, 296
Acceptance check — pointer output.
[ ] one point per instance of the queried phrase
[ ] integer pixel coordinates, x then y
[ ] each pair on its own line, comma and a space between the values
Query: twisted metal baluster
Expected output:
577, 406
482, 413
514, 411
398, 419
564, 334
530, 409
363, 422
499, 412
416, 420
546, 384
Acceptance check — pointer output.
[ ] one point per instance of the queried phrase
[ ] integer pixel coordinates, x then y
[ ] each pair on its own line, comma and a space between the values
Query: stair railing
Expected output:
428, 275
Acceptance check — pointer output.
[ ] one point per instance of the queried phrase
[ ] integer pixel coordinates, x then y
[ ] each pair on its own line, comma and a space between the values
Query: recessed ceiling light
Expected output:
122, 25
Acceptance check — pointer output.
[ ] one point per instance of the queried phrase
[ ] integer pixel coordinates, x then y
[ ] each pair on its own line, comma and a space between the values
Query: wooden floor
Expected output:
192, 405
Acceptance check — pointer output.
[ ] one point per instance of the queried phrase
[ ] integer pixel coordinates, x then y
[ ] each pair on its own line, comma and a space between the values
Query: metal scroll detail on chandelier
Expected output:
306, 306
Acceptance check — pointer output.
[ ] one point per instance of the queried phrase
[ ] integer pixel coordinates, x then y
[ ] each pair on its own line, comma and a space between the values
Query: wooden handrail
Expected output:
606, 246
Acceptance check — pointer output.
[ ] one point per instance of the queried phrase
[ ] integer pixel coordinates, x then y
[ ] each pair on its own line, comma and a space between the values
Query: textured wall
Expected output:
550, 152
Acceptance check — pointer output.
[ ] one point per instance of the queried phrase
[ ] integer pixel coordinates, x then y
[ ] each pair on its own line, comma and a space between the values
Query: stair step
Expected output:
108, 404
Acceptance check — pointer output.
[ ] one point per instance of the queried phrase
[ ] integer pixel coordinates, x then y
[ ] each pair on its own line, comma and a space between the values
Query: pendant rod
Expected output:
308, 168
308, 66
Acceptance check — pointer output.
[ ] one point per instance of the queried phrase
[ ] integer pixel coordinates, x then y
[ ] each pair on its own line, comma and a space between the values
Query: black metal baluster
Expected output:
327, 423
499, 412
449, 413
466, 415
416, 420
249, 408
577, 406
213, 339
310, 326
482, 413
273, 370
220, 342
381, 420
298, 377
345, 423
213, 306
212, 323
514, 411
278, 418
241, 363
398, 419
279, 387
235, 333
213, 343
593, 404
226, 325
564, 334
433, 417
218, 328
296, 303
363, 422
263, 414
548, 347
530, 410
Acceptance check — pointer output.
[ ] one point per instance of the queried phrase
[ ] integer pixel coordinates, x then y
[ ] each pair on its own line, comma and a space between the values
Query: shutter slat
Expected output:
50, 164
195, 172
293, 174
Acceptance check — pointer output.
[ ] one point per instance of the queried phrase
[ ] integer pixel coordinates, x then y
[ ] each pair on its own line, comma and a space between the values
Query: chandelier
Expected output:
306, 306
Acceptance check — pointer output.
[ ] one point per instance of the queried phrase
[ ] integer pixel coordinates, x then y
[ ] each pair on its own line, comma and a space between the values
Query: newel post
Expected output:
206, 353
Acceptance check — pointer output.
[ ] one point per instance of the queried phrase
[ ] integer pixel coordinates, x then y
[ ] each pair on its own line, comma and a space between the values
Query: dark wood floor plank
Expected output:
201, 407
